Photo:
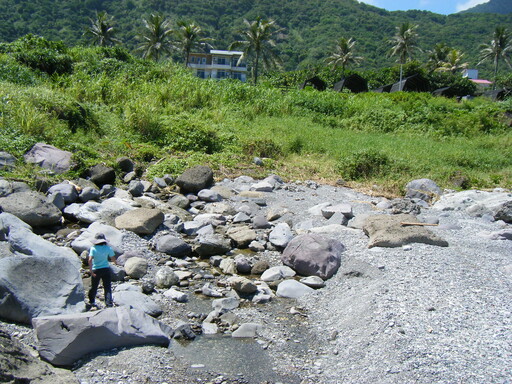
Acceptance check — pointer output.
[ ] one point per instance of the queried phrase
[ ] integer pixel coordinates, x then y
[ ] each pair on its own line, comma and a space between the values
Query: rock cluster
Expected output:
232, 242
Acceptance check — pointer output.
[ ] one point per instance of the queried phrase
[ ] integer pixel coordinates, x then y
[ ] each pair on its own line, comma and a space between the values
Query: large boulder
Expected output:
313, 255
389, 231
114, 236
92, 211
292, 289
9, 222
20, 365
68, 192
136, 267
32, 286
49, 157
241, 235
137, 300
423, 189
195, 179
142, 221
207, 246
281, 235
32, 208
65, 339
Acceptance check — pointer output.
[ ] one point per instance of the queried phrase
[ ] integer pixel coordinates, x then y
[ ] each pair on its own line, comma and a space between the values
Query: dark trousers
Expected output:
104, 275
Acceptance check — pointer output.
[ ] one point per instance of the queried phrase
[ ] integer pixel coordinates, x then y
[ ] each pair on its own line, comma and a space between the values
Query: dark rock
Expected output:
101, 174
32, 208
7, 161
424, 189
313, 255
195, 179
504, 213
259, 267
125, 164
173, 246
88, 194
68, 192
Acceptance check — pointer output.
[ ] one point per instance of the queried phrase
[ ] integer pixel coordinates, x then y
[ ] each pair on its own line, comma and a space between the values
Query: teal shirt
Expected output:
100, 254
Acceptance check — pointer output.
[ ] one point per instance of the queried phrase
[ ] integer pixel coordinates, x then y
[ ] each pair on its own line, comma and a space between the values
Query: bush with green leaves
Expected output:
365, 164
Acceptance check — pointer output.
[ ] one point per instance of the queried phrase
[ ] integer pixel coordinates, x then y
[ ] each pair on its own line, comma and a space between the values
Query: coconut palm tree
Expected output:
155, 39
404, 44
343, 54
188, 37
101, 32
258, 45
453, 62
438, 56
500, 47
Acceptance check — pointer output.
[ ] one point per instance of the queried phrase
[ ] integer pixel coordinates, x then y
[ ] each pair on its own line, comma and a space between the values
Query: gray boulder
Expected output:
388, 231
136, 267
32, 286
89, 193
7, 161
136, 188
277, 273
65, 339
281, 235
504, 212
423, 189
49, 157
247, 330
101, 174
344, 208
114, 236
20, 365
242, 284
137, 300
56, 199
142, 221
209, 195
313, 255
5, 188
194, 179
173, 246
125, 164
292, 289
166, 278
32, 208
9, 222
68, 192
207, 246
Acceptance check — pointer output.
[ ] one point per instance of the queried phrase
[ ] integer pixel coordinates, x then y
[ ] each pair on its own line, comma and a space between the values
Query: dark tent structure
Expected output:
316, 83
414, 83
354, 83
496, 95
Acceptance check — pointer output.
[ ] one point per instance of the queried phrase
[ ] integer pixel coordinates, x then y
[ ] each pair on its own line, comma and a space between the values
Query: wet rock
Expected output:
225, 304
247, 330
210, 291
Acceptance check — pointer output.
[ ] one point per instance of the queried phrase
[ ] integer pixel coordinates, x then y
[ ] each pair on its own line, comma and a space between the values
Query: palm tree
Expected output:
155, 39
189, 36
101, 31
343, 54
404, 44
258, 44
453, 62
500, 47
438, 56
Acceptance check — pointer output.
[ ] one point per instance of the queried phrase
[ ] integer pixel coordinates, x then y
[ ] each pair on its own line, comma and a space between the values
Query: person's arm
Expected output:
90, 267
112, 257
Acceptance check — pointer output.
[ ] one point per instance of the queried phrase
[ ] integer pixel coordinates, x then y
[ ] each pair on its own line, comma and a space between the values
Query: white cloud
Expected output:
469, 4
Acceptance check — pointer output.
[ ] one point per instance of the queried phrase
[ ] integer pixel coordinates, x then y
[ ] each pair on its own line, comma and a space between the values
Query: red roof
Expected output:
481, 81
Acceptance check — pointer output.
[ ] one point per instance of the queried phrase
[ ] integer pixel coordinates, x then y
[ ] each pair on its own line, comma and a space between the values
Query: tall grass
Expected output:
113, 104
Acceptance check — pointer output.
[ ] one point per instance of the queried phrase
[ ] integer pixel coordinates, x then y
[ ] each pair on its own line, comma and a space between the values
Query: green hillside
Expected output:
493, 6
310, 26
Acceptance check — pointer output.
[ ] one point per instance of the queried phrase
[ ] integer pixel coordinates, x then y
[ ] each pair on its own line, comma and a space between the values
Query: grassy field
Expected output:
112, 104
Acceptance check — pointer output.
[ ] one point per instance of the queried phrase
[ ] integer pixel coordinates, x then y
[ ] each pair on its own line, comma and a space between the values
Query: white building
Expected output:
218, 64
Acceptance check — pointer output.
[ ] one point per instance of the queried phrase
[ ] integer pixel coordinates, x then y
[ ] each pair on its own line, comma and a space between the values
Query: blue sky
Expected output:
444, 7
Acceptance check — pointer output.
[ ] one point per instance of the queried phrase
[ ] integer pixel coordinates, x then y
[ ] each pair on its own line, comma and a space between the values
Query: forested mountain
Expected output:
493, 6
310, 26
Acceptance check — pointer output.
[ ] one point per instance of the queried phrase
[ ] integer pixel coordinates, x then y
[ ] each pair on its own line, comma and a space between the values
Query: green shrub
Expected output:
262, 148
365, 164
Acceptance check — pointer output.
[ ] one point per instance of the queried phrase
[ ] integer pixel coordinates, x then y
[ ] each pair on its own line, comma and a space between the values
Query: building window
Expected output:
237, 76
200, 74
221, 75
220, 60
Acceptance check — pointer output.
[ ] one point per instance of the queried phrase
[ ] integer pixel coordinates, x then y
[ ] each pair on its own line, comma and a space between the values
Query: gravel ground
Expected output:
416, 314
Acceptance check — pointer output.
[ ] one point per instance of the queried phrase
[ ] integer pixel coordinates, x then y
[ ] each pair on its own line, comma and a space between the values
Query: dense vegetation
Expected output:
311, 27
492, 6
101, 103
